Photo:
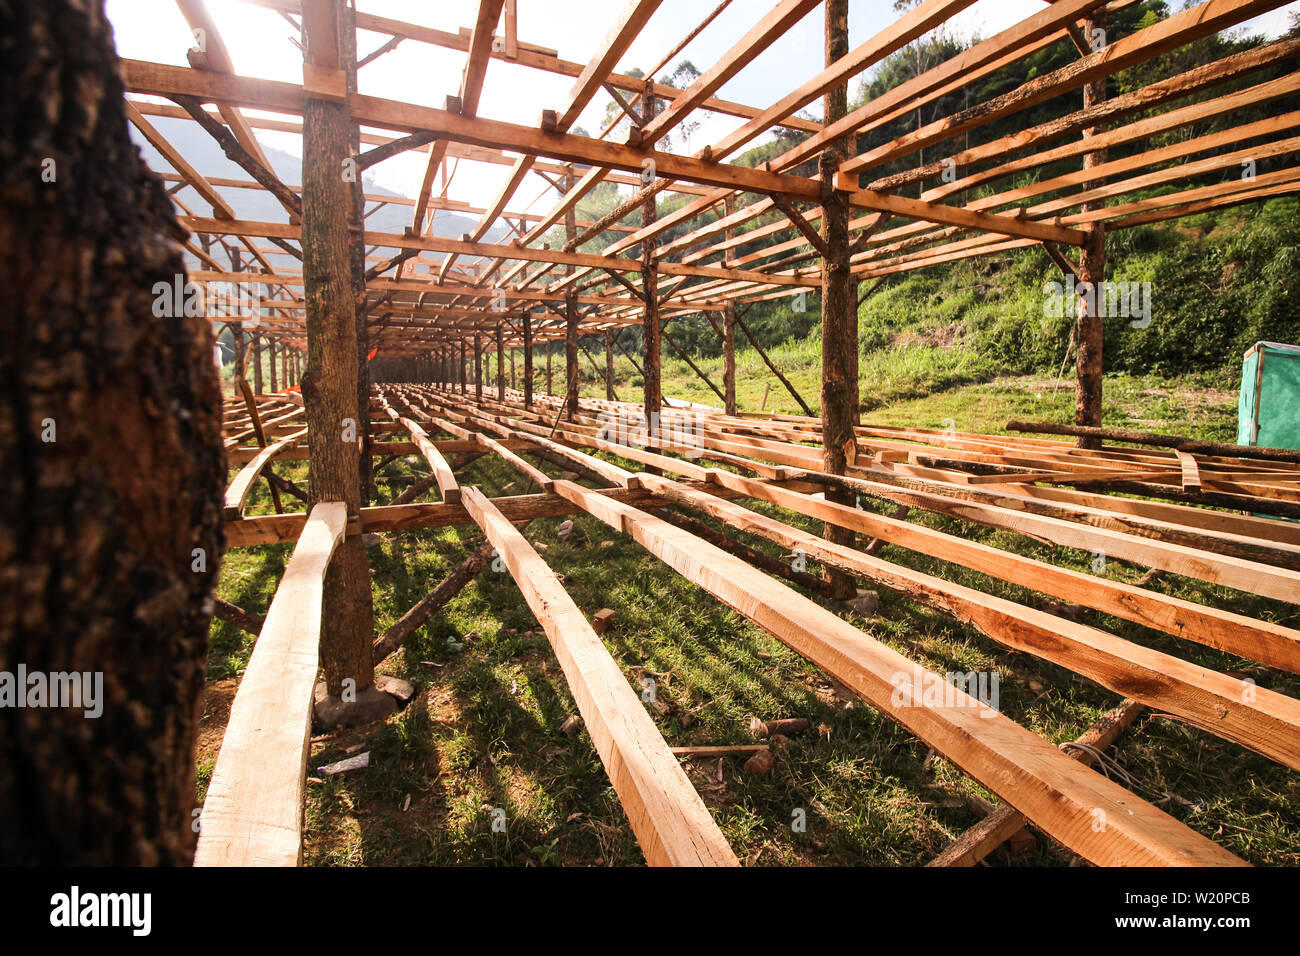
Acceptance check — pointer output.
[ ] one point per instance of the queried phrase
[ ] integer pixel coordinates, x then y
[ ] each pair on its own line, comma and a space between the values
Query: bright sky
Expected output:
260, 46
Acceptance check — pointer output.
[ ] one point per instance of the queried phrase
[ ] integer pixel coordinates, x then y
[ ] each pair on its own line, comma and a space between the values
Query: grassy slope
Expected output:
484, 732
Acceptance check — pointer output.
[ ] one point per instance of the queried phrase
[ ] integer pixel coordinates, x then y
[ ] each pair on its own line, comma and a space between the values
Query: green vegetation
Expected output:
1219, 281
967, 345
484, 731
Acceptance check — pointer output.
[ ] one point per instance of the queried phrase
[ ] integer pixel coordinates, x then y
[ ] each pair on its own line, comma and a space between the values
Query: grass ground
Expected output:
928, 383
484, 732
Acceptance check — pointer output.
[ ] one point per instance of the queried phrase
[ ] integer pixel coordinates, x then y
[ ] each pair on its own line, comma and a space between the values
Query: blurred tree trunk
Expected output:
110, 498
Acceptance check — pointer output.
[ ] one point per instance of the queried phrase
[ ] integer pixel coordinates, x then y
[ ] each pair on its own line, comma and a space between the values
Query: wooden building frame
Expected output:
445, 305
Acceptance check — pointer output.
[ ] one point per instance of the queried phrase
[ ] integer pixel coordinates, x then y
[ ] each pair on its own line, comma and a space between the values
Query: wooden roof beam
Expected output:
1009, 46
220, 208
539, 58
439, 244
957, 216
471, 88
1174, 31
913, 24
632, 19
1124, 165
215, 56
763, 34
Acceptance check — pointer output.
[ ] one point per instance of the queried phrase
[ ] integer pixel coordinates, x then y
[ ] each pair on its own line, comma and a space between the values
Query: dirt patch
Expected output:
214, 714
942, 336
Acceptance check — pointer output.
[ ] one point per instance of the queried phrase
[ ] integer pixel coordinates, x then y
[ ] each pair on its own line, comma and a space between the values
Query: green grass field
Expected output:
484, 732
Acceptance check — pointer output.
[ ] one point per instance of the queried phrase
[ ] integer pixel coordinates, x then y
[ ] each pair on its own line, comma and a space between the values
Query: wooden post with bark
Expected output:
609, 365
256, 349
729, 332
106, 567
528, 359
357, 249
650, 287
501, 363
478, 369
330, 385
1092, 264
839, 306
571, 318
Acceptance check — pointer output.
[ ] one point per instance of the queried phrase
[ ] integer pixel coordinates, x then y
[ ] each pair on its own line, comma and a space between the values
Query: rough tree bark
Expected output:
110, 499
1092, 266
528, 358
329, 386
650, 290
478, 369
729, 334
839, 306
501, 358
256, 349
570, 314
609, 365
356, 219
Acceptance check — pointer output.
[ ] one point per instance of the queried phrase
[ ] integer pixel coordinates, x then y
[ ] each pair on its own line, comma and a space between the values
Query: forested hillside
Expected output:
1219, 281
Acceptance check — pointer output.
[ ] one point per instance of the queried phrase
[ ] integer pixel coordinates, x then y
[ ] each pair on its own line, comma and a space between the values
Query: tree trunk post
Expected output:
571, 372
528, 359
1092, 266
1088, 333
501, 363
839, 307
330, 386
257, 363
478, 369
650, 289
729, 334
357, 249
609, 365
110, 428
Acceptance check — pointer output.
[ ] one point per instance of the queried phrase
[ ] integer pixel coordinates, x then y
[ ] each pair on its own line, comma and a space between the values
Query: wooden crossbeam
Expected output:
220, 208
1048, 787
783, 203
439, 244
252, 815
769, 28
471, 88
1180, 28
236, 152
237, 492
1004, 822
671, 823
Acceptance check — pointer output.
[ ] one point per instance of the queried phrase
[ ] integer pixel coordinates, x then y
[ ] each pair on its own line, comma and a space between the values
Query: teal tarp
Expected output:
1268, 408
